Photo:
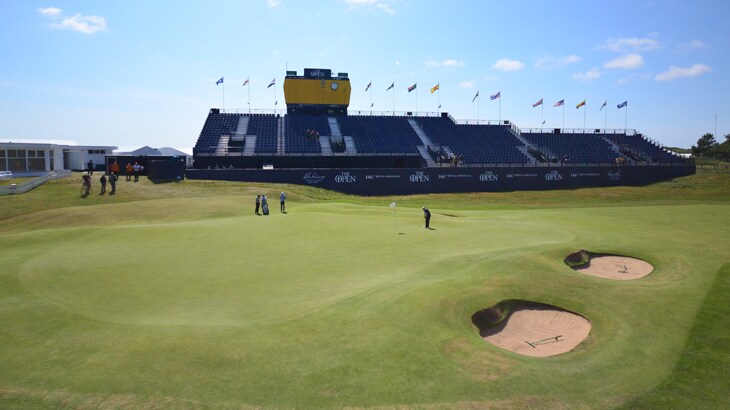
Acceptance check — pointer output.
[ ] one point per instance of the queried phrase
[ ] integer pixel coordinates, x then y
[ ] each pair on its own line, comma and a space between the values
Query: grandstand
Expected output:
317, 133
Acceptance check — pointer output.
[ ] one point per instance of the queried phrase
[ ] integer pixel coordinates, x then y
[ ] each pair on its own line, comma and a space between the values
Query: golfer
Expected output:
282, 200
426, 217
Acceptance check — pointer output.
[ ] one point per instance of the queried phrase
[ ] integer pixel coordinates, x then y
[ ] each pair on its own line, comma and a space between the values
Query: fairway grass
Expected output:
178, 296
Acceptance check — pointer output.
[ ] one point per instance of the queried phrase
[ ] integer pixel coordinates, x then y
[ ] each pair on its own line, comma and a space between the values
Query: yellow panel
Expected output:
321, 92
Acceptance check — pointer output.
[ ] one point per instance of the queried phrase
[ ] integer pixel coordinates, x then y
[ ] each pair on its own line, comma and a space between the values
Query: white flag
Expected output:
392, 204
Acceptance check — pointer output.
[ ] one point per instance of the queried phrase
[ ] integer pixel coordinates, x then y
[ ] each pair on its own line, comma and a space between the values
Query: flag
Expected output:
368, 87
495, 96
371, 105
580, 104
392, 204
245, 83
622, 105
434, 88
273, 82
537, 104
559, 103
543, 122
475, 96
413, 87
391, 86
219, 81
604, 104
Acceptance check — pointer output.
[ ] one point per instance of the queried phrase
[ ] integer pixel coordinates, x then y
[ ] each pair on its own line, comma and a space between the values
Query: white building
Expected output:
21, 156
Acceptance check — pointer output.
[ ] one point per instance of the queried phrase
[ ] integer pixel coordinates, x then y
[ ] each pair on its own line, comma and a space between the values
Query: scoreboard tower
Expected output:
317, 92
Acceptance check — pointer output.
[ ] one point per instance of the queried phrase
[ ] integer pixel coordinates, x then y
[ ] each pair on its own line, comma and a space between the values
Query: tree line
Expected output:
708, 147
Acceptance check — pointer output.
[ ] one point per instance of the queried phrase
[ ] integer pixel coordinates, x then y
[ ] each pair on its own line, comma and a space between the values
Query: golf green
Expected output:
191, 302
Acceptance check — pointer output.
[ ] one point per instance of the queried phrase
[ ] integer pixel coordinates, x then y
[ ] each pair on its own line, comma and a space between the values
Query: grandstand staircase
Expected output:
249, 146
238, 137
350, 148
324, 144
222, 148
423, 149
280, 141
628, 156
525, 148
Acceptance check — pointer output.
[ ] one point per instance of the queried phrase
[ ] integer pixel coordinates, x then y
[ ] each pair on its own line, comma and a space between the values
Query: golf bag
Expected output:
265, 208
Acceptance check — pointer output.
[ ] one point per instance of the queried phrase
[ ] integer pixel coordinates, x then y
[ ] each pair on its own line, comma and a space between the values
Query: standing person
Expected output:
129, 170
258, 203
114, 168
427, 217
90, 167
103, 184
113, 182
136, 168
282, 199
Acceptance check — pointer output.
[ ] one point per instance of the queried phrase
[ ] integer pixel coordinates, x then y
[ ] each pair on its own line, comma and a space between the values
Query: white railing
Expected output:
578, 131
27, 186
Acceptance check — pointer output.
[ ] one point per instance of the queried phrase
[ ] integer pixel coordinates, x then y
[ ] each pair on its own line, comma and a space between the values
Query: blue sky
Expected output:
138, 73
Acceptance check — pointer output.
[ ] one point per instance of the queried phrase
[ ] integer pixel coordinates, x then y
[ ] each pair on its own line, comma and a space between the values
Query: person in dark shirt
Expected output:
258, 203
427, 217
103, 184
90, 167
113, 183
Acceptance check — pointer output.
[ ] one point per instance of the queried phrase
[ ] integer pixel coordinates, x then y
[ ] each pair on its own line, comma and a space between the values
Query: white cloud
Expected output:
588, 76
678, 72
549, 62
82, 24
466, 84
627, 62
631, 44
381, 5
691, 45
273, 3
77, 22
50, 11
397, 62
505, 64
448, 63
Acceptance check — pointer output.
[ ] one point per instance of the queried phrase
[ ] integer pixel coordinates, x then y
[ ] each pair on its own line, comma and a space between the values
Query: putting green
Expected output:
231, 271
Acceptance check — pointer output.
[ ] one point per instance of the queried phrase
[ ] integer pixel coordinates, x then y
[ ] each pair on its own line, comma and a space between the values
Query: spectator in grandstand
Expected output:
426, 218
114, 168
282, 200
136, 169
129, 169
102, 180
90, 167
258, 203
113, 182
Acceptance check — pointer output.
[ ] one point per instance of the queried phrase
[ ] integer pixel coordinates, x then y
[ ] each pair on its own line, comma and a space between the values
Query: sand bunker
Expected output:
531, 329
607, 266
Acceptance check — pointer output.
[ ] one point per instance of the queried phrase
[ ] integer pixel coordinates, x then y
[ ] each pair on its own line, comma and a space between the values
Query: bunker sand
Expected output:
532, 329
616, 267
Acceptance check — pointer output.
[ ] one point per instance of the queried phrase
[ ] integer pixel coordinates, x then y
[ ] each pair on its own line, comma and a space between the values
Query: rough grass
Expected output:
177, 296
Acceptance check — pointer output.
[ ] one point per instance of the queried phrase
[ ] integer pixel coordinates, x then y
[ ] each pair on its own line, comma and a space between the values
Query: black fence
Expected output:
404, 181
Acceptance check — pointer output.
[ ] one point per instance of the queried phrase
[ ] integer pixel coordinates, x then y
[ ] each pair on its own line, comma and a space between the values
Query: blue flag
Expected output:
219, 81
622, 105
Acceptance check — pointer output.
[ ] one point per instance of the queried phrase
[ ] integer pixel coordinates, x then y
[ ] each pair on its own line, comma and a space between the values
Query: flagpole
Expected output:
584, 118
249, 94
563, 116
500, 108
416, 112
605, 120
224, 95
371, 99
438, 97
394, 102
542, 115
626, 118
479, 99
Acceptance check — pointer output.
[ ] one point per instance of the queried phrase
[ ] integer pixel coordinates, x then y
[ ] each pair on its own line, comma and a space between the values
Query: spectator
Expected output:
129, 169
90, 167
113, 182
103, 184
114, 168
282, 200
136, 168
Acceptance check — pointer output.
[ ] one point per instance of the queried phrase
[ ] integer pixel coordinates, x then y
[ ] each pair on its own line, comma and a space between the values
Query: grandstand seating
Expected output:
216, 124
295, 134
394, 135
576, 148
649, 151
264, 127
476, 144
380, 134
